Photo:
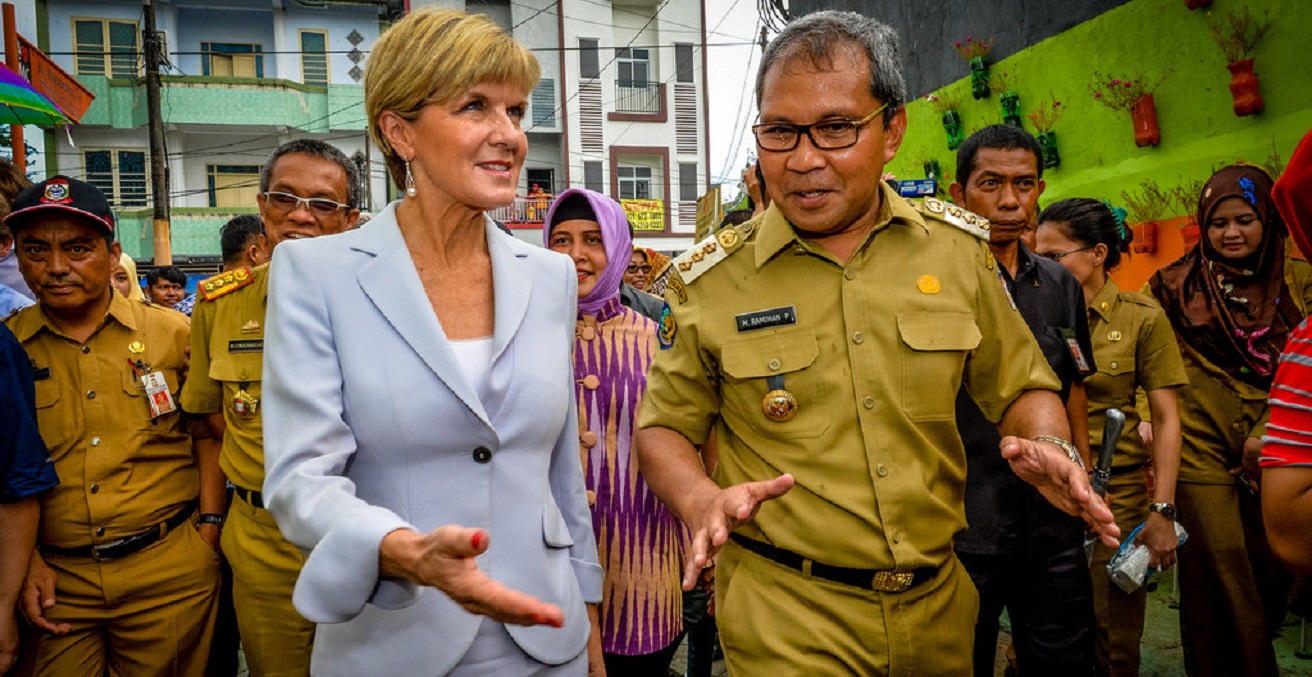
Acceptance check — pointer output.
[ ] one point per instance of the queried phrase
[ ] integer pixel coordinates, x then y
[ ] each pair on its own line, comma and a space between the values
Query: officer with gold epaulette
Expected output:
308, 188
123, 574
824, 341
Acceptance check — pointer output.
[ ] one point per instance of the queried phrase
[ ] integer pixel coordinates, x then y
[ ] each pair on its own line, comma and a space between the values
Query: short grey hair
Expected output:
319, 149
819, 35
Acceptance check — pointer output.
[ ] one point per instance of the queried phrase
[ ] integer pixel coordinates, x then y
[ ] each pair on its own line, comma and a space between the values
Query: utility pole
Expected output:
16, 141
159, 178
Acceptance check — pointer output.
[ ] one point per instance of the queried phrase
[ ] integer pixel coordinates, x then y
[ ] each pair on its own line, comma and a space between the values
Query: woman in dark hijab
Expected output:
1232, 301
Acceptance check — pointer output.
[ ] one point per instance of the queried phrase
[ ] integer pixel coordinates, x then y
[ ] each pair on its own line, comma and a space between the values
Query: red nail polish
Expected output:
477, 540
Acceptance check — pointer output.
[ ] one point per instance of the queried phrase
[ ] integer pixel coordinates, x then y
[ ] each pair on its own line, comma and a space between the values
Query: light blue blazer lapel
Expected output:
392, 283
512, 287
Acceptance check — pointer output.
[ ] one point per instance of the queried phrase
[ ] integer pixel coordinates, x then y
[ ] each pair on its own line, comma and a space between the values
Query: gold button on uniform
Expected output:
774, 365
1113, 365
858, 337
881, 470
849, 275
868, 402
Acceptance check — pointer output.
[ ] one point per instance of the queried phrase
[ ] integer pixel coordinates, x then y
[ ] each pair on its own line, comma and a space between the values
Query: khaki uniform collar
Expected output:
776, 233
1104, 303
27, 324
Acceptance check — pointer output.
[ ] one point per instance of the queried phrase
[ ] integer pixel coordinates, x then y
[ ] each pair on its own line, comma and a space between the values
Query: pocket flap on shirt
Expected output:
769, 354
922, 330
237, 367
554, 530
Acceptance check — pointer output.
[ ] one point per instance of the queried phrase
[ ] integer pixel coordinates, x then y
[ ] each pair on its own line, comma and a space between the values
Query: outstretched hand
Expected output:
444, 559
1062, 482
720, 514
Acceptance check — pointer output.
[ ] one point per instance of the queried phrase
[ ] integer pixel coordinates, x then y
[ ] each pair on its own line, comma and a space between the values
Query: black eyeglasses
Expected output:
778, 137
1057, 256
634, 270
319, 206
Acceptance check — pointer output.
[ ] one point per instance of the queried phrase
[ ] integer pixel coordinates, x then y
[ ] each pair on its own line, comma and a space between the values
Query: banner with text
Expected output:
646, 216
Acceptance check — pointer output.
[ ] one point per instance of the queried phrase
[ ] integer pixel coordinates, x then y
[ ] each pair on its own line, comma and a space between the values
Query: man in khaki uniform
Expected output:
122, 580
825, 341
308, 188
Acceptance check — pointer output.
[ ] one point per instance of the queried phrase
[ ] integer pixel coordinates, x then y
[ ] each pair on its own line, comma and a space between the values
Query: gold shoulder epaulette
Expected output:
968, 221
705, 254
226, 283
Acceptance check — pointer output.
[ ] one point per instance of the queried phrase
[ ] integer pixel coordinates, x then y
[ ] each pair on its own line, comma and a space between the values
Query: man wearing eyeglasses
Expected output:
308, 188
823, 343
1023, 554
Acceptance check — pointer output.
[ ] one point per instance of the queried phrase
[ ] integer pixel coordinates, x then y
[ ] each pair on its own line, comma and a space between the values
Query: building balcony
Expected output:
524, 212
639, 102
264, 102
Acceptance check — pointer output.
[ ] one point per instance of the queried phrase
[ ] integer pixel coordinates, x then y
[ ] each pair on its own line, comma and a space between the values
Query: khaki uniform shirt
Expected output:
874, 352
1219, 412
120, 471
227, 357
1134, 347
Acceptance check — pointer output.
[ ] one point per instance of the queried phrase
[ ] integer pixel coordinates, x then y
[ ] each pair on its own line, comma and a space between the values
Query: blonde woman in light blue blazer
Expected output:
421, 435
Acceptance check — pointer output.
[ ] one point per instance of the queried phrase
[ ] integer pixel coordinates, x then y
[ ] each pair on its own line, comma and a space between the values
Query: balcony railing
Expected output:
637, 97
523, 211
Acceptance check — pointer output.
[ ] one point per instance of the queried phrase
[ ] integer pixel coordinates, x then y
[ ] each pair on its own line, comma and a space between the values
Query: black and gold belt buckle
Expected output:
892, 581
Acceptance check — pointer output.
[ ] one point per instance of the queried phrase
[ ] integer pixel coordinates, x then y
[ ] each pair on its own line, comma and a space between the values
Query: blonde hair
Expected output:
433, 56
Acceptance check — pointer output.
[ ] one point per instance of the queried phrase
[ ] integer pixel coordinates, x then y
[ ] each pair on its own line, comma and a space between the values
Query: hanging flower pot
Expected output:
1243, 87
931, 169
979, 78
1011, 108
1191, 233
1145, 238
952, 125
1144, 113
1048, 144
1195, 4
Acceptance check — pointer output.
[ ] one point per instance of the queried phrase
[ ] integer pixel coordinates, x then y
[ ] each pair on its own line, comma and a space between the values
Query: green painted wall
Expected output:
1194, 108
121, 104
193, 231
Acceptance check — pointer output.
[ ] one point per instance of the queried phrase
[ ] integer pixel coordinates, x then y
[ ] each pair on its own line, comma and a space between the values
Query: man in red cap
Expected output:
122, 575
1287, 454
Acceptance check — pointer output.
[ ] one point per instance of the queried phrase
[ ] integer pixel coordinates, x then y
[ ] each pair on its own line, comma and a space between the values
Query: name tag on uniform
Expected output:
764, 319
40, 373
158, 395
246, 345
1071, 342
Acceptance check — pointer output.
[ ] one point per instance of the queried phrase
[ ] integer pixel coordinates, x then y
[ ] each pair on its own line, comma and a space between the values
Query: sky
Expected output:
730, 79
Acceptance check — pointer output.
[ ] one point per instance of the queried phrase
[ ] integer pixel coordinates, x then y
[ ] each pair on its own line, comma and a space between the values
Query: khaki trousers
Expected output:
774, 621
148, 614
1120, 616
276, 639
1232, 590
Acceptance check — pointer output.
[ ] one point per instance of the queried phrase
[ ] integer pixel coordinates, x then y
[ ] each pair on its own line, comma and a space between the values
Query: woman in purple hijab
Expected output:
638, 541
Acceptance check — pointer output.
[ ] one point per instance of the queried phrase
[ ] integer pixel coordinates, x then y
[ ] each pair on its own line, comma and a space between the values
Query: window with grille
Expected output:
119, 174
542, 104
221, 59
635, 182
314, 57
106, 47
233, 185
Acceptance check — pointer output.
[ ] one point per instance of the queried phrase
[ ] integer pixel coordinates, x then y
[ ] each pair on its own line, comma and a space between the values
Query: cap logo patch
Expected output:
57, 192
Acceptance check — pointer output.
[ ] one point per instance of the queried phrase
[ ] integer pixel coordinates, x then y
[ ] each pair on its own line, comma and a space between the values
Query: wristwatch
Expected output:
211, 518
1166, 510
1071, 451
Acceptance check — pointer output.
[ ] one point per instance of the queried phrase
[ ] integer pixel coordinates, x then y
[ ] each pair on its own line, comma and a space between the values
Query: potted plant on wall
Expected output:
1237, 33
945, 103
1135, 96
976, 53
1044, 119
1004, 85
1146, 206
1184, 197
